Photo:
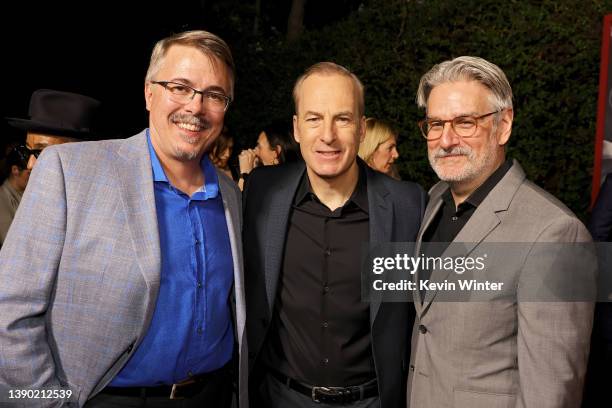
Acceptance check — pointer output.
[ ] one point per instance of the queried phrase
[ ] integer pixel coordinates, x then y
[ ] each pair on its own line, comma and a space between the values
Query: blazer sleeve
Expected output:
29, 262
554, 334
600, 224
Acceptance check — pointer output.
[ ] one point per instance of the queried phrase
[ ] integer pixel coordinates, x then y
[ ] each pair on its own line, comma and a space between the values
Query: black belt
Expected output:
330, 395
185, 389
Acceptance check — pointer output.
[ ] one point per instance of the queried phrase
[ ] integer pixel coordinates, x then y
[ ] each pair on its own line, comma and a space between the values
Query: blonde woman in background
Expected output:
379, 148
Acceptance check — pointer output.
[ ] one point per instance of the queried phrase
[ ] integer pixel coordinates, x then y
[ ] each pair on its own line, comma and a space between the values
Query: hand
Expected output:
247, 160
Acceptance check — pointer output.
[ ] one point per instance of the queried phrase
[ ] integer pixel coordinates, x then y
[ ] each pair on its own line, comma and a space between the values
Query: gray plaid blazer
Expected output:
80, 268
504, 352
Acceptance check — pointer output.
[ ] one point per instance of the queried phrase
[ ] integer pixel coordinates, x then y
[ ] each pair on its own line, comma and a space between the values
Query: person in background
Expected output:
597, 382
275, 145
221, 153
379, 148
13, 187
56, 117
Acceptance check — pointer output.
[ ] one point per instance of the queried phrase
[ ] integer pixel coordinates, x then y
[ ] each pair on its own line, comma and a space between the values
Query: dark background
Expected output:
549, 50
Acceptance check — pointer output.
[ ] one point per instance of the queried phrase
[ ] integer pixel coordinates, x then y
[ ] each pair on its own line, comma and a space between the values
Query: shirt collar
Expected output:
359, 196
210, 189
478, 195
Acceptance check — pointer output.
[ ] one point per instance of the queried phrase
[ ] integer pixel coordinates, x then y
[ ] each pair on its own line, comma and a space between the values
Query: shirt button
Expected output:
326, 289
327, 252
326, 360
199, 330
422, 329
411, 367
190, 374
199, 284
197, 242
325, 324
455, 218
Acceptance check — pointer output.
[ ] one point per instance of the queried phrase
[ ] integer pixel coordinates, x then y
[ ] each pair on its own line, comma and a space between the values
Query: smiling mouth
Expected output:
329, 153
189, 126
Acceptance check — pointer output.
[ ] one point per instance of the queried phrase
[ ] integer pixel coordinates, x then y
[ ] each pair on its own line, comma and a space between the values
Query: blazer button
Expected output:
422, 329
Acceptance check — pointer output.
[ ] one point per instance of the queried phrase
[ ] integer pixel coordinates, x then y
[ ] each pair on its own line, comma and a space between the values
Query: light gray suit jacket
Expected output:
503, 352
80, 269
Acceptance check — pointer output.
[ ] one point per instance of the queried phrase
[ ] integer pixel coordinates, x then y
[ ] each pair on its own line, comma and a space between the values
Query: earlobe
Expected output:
362, 129
505, 126
296, 133
148, 93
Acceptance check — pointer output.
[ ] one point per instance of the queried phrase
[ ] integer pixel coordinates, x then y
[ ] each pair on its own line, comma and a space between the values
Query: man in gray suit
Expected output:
500, 351
122, 274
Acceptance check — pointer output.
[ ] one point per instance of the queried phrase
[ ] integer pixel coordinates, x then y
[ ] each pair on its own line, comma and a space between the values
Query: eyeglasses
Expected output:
464, 126
183, 94
24, 152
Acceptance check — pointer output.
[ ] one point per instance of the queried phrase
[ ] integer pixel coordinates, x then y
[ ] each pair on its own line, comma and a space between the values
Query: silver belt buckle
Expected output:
176, 387
314, 393
173, 392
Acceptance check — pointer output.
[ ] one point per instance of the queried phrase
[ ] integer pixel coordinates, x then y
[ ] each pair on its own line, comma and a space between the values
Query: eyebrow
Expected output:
457, 116
212, 88
344, 113
335, 115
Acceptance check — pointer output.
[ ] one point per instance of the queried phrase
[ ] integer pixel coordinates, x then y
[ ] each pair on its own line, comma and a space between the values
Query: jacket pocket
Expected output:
480, 399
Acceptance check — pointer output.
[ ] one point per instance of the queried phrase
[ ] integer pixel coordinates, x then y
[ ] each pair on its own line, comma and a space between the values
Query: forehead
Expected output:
187, 62
458, 98
38, 139
321, 93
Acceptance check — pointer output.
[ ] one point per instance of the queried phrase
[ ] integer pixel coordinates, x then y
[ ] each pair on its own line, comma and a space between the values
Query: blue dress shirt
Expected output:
191, 331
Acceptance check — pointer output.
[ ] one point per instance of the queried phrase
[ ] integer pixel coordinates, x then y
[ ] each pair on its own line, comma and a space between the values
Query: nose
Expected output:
394, 154
328, 134
449, 138
31, 162
196, 104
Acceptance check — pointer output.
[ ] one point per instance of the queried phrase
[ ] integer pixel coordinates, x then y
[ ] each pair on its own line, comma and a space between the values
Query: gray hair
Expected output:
208, 43
467, 69
330, 68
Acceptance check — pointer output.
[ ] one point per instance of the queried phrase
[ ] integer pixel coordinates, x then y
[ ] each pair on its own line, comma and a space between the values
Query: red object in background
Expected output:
602, 103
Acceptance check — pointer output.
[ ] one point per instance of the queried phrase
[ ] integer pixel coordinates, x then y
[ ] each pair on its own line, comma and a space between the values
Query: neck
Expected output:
334, 192
13, 182
185, 176
461, 190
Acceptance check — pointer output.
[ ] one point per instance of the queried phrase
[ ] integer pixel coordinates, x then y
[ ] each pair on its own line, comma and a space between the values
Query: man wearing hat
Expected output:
55, 117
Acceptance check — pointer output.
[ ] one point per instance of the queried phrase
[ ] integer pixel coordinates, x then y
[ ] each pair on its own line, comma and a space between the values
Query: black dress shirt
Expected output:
321, 328
451, 219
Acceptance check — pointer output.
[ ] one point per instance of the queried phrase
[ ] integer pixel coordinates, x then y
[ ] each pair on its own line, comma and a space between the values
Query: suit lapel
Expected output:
484, 220
430, 212
277, 223
231, 207
136, 190
380, 223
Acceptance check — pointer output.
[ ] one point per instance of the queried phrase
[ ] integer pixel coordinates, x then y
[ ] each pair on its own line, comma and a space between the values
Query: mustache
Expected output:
455, 150
191, 120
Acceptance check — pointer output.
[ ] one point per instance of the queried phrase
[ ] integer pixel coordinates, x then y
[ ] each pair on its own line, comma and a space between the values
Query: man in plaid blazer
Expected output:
121, 278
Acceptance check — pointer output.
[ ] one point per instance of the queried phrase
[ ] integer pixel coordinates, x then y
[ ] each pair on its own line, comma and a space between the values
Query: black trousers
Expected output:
216, 393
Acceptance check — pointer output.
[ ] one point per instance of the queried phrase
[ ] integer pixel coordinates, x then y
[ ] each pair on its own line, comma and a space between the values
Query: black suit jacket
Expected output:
395, 209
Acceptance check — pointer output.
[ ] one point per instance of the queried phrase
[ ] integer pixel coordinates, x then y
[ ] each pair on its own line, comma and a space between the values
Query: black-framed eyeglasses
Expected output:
183, 94
464, 126
24, 152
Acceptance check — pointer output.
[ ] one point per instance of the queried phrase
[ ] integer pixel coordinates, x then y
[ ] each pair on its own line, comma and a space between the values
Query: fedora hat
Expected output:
58, 113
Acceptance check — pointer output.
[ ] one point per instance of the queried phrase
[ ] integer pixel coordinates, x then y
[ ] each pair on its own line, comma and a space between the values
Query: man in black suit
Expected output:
313, 341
